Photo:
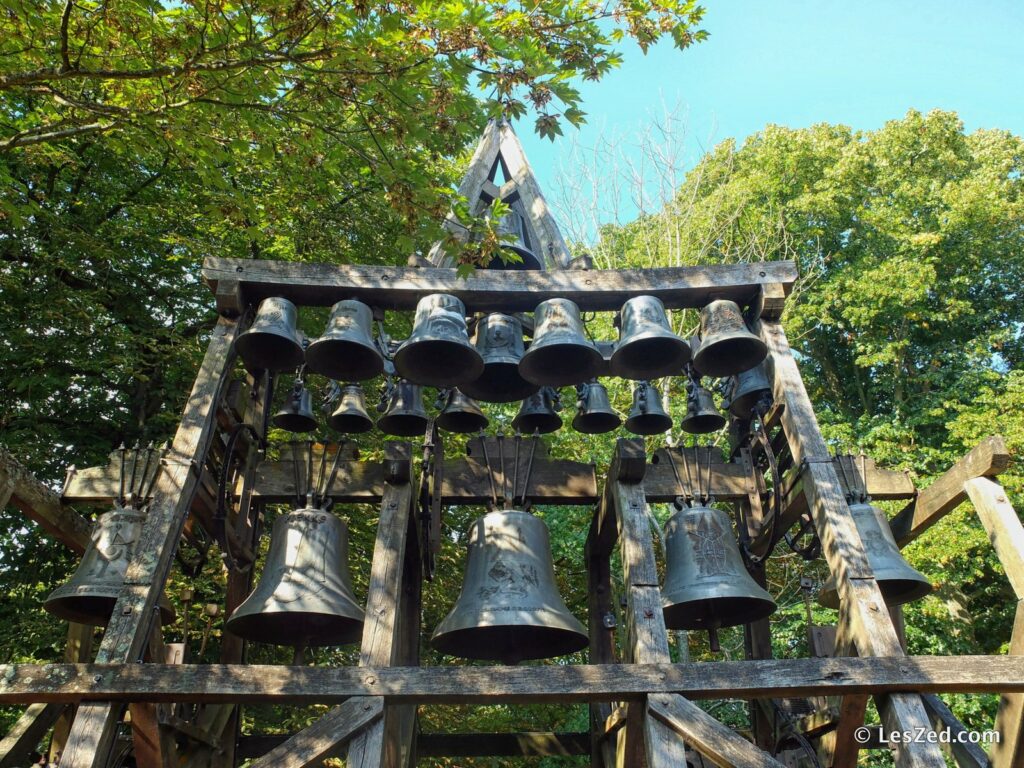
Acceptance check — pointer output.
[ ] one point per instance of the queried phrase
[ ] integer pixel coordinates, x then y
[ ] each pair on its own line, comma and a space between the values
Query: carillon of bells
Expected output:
346, 351
514, 225
647, 416
297, 413
438, 352
747, 390
351, 417
273, 341
647, 347
560, 354
594, 412
539, 413
702, 415
461, 414
405, 415
89, 595
304, 596
509, 609
499, 340
727, 346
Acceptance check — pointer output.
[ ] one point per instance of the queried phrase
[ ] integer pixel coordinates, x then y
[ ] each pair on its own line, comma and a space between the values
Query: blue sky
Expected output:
797, 63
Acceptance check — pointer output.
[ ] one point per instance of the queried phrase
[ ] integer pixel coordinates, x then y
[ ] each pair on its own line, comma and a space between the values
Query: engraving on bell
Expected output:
647, 416
499, 340
509, 608
461, 414
747, 390
514, 225
727, 346
706, 584
560, 354
594, 412
899, 581
538, 413
438, 352
350, 417
272, 342
702, 415
346, 351
89, 595
304, 596
647, 347
297, 413
405, 415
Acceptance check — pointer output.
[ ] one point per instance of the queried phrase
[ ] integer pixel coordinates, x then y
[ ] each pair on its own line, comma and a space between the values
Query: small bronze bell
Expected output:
499, 340
727, 346
706, 583
747, 390
647, 417
90, 594
514, 224
702, 415
297, 413
346, 351
461, 414
272, 342
304, 597
594, 412
897, 579
509, 609
405, 415
350, 417
438, 352
538, 413
560, 354
647, 348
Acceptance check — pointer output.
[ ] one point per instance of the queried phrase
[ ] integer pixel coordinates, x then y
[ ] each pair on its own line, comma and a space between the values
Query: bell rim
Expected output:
452, 366
667, 420
345, 629
745, 609
61, 606
259, 350
744, 404
382, 423
366, 424
481, 387
720, 421
368, 360
602, 419
530, 262
584, 360
718, 356
552, 423
622, 361
280, 420
479, 422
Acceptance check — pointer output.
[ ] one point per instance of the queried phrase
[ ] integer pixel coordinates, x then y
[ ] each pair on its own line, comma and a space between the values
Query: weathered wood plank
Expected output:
987, 459
323, 738
496, 290
1009, 752
965, 754
523, 744
601, 630
17, 746
1003, 527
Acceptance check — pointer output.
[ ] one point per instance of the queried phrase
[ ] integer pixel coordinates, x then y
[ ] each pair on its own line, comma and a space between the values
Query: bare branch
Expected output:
25, 140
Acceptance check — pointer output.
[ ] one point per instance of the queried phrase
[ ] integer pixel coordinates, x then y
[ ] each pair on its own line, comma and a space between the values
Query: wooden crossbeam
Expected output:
324, 737
17, 746
455, 744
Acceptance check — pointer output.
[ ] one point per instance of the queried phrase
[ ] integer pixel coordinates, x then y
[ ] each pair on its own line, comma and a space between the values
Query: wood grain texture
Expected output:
17, 746
325, 737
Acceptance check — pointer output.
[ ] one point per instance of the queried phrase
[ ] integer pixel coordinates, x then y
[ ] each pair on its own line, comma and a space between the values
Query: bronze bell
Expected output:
647, 417
647, 348
297, 413
702, 415
897, 579
350, 417
560, 354
346, 350
727, 346
706, 583
438, 352
272, 342
405, 415
538, 413
461, 414
90, 594
304, 597
514, 224
499, 340
509, 609
594, 412
747, 389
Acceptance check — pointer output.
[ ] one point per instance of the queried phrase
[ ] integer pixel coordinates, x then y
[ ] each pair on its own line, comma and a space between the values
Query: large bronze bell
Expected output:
647, 347
90, 594
647, 416
509, 609
514, 224
747, 390
702, 415
461, 414
539, 413
594, 412
706, 583
304, 597
350, 417
272, 342
297, 413
346, 351
726, 346
405, 415
897, 579
499, 340
438, 352
560, 354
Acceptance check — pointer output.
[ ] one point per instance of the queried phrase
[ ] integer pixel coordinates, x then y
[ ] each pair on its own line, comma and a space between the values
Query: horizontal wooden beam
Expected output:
776, 678
236, 282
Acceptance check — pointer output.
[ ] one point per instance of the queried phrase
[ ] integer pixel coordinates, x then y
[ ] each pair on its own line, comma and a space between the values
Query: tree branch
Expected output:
64, 19
25, 140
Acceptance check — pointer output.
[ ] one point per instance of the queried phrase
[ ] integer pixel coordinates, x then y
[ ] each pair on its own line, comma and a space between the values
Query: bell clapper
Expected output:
713, 639
299, 655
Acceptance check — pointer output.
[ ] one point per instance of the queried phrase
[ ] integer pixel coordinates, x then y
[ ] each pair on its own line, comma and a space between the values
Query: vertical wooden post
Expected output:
78, 649
601, 612
92, 734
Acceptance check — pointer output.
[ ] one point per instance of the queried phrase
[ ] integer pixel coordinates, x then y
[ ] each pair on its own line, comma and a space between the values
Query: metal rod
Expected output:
295, 473
846, 478
320, 478
120, 495
156, 472
490, 472
675, 471
331, 479
515, 471
864, 496
131, 482
710, 498
529, 467
686, 468
500, 436
145, 470
309, 472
